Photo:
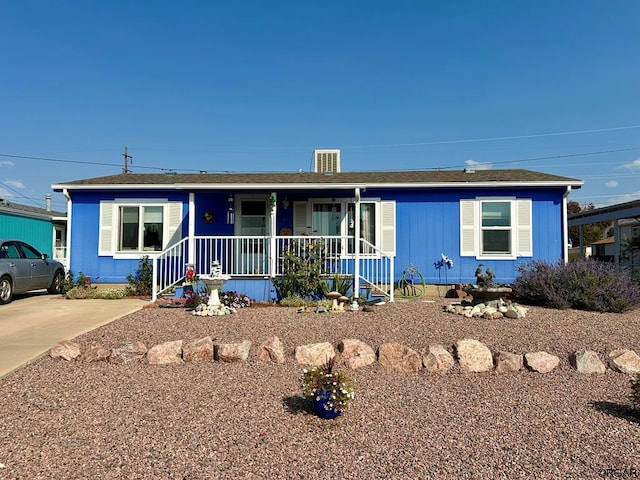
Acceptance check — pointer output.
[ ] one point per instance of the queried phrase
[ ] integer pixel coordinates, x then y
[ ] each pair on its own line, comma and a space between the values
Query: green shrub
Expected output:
303, 266
339, 283
141, 282
80, 282
294, 301
585, 285
85, 292
112, 293
81, 293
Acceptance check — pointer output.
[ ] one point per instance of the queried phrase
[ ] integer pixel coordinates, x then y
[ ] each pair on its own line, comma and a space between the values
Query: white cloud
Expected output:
14, 183
629, 197
4, 193
478, 165
6, 163
611, 184
634, 164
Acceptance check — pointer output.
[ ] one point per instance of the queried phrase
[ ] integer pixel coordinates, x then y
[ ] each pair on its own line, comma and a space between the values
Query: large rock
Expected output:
541, 362
200, 350
233, 352
65, 349
437, 359
356, 353
271, 351
127, 352
95, 352
624, 361
473, 356
314, 354
587, 361
166, 353
507, 362
398, 357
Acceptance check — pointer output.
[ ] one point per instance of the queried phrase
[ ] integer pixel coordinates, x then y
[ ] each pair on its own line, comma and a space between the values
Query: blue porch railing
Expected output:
263, 257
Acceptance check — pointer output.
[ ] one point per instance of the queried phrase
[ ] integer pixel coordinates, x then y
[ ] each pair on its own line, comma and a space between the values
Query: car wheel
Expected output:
6, 290
57, 284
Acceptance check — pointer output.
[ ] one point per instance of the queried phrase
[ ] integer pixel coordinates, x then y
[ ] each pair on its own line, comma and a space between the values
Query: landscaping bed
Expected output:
62, 419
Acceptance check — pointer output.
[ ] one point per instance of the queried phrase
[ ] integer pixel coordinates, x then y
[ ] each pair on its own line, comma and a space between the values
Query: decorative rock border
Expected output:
471, 355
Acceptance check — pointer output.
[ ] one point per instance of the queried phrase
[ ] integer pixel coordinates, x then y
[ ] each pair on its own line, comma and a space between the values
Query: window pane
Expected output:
29, 252
368, 222
496, 241
152, 228
496, 214
129, 228
254, 207
326, 218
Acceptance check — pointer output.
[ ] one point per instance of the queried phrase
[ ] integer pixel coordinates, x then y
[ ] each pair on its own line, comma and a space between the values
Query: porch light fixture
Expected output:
285, 202
231, 214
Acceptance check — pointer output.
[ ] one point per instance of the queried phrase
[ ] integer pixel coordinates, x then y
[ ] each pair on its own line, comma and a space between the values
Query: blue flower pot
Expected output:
319, 402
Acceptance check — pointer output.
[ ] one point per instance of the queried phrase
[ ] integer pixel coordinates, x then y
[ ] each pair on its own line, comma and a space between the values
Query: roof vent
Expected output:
326, 161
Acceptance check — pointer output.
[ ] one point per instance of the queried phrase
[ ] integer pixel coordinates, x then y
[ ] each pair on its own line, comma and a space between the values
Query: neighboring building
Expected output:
43, 228
369, 225
604, 250
626, 229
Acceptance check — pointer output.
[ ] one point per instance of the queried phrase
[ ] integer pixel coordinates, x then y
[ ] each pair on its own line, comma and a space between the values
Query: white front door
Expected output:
253, 227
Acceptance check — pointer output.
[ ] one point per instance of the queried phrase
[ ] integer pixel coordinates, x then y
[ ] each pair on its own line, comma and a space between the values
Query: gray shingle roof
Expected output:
25, 210
393, 178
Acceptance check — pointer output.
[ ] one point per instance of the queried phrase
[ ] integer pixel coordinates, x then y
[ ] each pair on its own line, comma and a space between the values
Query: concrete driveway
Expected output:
33, 323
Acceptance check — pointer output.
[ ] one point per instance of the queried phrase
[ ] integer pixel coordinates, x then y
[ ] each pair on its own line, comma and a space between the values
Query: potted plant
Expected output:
330, 392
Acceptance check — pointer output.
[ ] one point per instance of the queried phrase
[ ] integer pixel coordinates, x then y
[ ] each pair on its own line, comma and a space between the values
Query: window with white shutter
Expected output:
496, 228
138, 226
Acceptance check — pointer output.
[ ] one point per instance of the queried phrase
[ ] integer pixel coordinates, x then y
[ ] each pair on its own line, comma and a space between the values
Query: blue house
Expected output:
43, 228
370, 226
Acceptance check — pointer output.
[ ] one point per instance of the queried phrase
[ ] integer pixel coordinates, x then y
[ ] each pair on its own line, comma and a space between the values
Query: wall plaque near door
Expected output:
209, 216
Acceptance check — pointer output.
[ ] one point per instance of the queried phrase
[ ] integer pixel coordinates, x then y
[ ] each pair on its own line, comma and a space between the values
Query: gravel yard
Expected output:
72, 420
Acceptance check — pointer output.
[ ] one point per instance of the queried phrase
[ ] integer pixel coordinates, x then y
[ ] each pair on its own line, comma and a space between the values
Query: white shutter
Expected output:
469, 228
300, 218
388, 227
174, 222
524, 241
106, 246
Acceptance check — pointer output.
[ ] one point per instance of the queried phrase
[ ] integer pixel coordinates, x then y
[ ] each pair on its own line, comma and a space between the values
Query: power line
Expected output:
532, 159
103, 164
490, 139
60, 160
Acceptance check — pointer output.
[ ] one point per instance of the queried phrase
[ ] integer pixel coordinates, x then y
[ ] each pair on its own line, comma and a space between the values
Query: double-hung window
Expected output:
137, 226
495, 228
140, 228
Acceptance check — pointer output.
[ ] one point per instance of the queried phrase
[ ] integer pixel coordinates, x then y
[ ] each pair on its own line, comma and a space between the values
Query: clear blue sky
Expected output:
256, 86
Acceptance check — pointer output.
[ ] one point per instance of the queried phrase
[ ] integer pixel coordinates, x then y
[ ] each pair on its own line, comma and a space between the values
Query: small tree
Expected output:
303, 265
141, 282
591, 232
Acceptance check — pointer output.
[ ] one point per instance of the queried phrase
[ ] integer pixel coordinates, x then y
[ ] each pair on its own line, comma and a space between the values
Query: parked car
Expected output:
23, 268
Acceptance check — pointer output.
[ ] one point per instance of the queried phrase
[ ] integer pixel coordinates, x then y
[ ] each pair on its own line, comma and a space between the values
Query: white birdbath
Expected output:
214, 283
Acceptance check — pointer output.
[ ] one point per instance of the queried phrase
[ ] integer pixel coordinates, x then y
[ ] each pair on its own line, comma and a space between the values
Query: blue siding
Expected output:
85, 232
428, 224
34, 231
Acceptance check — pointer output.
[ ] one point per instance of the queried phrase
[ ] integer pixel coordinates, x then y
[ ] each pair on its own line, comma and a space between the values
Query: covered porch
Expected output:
261, 258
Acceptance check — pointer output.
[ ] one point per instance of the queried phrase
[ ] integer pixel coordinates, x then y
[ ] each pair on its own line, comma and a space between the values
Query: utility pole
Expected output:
127, 157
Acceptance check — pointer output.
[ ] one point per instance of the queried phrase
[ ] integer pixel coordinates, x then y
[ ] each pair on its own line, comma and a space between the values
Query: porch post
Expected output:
272, 234
565, 226
356, 242
191, 254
